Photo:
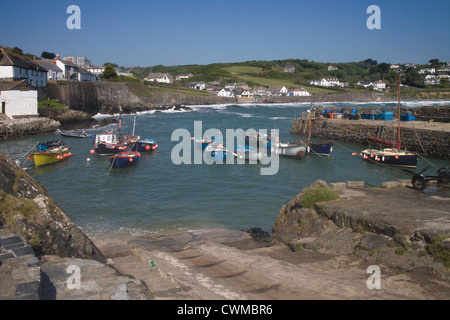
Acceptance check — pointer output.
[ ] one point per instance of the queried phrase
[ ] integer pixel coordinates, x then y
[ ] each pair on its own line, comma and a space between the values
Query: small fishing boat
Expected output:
319, 148
75, 134
393, 156
50, 155
296, 149
106, 143
143, 145
41, 146
124, 159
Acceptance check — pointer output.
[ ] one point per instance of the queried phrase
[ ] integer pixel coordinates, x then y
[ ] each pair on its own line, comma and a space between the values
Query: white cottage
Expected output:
159, 77
53, 71
14, 68
18, 99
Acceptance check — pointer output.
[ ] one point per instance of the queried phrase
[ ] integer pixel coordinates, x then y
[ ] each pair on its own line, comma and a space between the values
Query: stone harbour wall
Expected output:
427, 142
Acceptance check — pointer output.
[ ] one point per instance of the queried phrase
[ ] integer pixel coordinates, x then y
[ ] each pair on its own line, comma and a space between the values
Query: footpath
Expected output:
392, 258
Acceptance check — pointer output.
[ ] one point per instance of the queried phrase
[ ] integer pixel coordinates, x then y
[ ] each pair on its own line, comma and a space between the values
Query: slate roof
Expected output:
10, 59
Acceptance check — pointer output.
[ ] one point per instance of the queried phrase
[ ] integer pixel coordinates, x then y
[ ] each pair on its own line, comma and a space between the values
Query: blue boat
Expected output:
320, 148
41, 146
143, 145
124, 159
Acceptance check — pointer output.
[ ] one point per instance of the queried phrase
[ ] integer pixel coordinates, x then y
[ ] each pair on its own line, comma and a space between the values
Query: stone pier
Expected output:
431, 139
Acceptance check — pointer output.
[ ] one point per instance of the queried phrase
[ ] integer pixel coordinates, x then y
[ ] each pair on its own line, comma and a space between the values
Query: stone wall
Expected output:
432, 143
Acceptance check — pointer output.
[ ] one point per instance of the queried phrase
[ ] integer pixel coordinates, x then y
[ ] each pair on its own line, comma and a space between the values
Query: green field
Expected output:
267, 82
243, 69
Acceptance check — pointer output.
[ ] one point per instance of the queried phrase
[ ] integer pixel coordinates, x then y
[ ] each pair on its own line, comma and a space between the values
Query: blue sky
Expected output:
179, 32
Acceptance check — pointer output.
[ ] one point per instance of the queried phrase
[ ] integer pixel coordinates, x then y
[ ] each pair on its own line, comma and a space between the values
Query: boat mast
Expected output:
398, 129
309, 124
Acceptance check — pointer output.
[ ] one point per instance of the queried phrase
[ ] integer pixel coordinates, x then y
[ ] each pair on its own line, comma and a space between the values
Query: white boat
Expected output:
296, 150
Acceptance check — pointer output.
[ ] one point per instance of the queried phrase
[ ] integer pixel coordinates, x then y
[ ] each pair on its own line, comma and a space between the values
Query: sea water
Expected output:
156, 195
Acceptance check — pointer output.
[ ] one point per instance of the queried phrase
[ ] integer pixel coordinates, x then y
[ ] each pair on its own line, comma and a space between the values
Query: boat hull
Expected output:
106, 148
391, 157
218, 154
144, 145
124, 159
292, 150
51, 155
320, 148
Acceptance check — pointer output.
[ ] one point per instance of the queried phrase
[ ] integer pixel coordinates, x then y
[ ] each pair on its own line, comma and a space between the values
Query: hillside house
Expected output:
379, 85
225, 92
431, 80
70, 69
444, 69
277, 91
427, 70
123, 72
365, 84
196, 85
18, 99
332, 68
325, 82
15, 68
288, 68
260, 91
53, 71
184, 76
97, 71
85, 75
79, 61
298, 92
159, 77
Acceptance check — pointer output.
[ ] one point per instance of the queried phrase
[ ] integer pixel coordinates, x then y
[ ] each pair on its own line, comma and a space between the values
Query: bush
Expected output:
312, 196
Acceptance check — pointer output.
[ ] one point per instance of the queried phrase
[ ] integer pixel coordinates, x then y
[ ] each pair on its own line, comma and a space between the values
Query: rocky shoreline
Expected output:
321, 246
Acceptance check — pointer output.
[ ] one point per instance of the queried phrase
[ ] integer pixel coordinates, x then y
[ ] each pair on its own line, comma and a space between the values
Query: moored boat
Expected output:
392, 156
41, 146
75, 134
106, 143
143, 145
124, 159
50, 155
296, 150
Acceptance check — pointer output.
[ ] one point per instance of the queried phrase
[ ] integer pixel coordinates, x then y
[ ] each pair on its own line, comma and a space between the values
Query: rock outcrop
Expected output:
29, 211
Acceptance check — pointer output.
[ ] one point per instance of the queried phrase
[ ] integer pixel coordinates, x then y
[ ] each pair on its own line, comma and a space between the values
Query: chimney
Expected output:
57, 56
70, 59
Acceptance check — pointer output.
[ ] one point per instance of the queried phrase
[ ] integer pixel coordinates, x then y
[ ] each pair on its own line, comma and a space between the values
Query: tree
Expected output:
115, 65
434, 62
48, 55
109, 72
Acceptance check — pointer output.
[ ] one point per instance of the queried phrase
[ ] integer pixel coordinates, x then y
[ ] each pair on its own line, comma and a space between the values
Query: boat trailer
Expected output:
420, 181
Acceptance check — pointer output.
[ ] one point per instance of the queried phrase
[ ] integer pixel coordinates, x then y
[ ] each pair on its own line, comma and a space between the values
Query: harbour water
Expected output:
156, 195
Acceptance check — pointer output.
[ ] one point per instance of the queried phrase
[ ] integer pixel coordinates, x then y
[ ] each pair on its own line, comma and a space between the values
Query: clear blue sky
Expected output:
179, 32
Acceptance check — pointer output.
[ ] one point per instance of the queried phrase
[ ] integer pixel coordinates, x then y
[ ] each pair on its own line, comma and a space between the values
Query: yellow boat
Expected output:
50, 155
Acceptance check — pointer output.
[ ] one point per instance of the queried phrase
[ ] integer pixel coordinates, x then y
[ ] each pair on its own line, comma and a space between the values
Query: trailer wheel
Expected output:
419, 183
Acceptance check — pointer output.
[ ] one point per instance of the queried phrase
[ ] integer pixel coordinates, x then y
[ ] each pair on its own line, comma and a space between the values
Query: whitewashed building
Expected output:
197, 85
225, 92
379, 85
184, 76
298, 92
427, 70
325, 82
18, 99
53, 71
159, 77
15, 68
79, 61
277, 91
70, 69
97, 71
85, 75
